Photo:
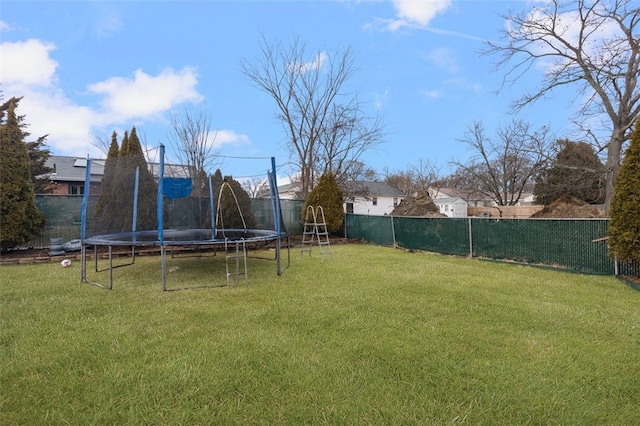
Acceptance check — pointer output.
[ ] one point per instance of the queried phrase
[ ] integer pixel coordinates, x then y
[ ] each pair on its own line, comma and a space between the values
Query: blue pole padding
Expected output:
85, 200
276, 200
135, 200
211, 206
159, 201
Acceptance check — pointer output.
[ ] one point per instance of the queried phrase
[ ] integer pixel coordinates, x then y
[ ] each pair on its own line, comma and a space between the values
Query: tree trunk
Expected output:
613, 164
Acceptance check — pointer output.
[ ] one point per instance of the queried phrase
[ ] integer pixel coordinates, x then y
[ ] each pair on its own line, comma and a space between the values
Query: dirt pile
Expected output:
420, 205
569, 207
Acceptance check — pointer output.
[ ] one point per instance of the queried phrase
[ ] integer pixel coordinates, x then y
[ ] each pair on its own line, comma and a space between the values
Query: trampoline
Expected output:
101, 225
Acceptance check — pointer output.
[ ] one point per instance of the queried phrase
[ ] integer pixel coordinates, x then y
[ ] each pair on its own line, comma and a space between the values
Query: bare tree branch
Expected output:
325, 128
592, 45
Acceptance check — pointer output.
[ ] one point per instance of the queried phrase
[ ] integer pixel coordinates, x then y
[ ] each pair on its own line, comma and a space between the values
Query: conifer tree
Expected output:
327, 194
115, 207
20, 219
231, 218
105, 202
624, 227
576, 171
38, 152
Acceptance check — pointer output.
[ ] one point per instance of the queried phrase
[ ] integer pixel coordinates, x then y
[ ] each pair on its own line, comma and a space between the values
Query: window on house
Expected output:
349, 207
395, 202
375, 201
76, 189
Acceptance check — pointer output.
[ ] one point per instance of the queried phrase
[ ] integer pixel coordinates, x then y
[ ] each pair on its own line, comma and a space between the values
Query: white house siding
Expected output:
452, 207
384, 205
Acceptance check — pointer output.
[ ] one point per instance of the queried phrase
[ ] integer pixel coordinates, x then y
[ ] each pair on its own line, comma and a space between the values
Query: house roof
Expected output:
73, 169
449, 200
374, 188
445, 192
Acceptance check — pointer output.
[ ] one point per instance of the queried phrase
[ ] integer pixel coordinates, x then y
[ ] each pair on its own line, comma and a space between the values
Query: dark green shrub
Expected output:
327, 194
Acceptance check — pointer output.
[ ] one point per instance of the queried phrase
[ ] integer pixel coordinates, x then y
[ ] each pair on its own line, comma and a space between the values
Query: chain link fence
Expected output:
574, 244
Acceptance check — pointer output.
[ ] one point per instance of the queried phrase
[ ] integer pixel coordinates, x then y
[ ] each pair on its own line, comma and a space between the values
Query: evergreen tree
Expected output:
37, 150
20, 219
105, 207
231, 218
147, 186
576, 172
624, 227
327, 194
115, 206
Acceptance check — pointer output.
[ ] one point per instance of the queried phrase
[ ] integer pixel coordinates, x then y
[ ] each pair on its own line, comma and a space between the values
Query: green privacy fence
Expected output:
574, 244
62, 213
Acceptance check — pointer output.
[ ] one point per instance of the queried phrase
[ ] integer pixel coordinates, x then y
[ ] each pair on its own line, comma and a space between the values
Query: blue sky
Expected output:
87, 68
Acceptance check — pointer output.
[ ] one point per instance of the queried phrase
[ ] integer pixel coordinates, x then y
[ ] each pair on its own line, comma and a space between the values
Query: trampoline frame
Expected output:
172, 238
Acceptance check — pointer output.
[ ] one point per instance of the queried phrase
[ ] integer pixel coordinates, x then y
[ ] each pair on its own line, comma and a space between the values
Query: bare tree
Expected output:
403, 180
425, 174
417, 178
591, 44
503, 169
325, 128
193, 145
255, 187
347, 135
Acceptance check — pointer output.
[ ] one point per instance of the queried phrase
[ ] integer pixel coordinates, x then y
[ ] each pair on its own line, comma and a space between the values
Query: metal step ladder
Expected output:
315, 228
309, 231
236, 253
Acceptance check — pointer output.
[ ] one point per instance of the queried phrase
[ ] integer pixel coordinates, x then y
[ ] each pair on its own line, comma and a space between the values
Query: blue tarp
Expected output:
176, 187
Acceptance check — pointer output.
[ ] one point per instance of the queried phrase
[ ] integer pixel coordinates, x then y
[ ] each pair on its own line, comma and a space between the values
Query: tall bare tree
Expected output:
503, 168
193, 145
417, 178
326, 129
347, 135
593, 45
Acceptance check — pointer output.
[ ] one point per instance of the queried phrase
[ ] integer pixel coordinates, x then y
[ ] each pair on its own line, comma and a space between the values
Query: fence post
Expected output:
393, 232
470, 240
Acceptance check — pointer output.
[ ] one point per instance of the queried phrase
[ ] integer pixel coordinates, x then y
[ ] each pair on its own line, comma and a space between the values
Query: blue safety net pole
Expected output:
85, 200
276, 197
211, 206
159, 204
83, 220
135, 200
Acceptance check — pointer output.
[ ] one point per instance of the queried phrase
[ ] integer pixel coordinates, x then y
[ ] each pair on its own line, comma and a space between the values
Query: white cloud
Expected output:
414, 13
443, 58
146, 95
314, 64
229, 137
29, 71
4, 26
27, 63
432, 94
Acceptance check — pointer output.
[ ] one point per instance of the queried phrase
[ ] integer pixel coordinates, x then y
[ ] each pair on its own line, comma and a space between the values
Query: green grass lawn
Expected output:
372, 335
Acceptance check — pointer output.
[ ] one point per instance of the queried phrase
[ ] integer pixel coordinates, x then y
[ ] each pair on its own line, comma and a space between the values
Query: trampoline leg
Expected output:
83, 264
110, 268
163, 259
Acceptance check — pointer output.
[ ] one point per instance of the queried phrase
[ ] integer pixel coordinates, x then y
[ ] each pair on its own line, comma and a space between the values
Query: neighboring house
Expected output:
526, 199
452, 206
69, 173
451, 202
472, 199
372, 198
289, 191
